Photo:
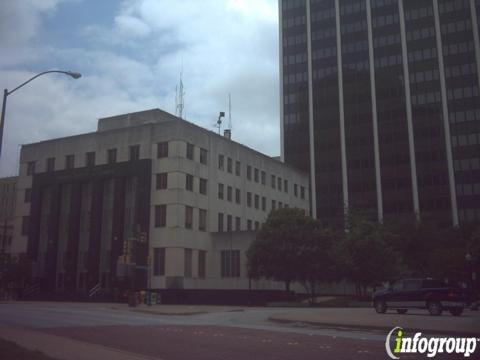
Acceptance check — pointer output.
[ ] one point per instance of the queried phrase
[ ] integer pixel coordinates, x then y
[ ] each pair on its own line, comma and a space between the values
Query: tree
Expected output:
321, 260
277, 252
370, 259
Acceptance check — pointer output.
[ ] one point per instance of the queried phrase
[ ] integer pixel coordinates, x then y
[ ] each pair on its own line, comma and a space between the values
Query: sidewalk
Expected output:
177, 309
65, 349
414, 320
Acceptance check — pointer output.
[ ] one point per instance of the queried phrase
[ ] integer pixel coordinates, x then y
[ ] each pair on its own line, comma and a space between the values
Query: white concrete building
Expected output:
194, 196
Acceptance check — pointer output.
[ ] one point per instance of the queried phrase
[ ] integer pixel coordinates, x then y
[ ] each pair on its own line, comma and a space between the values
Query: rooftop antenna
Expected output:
230, 111
180, 96
219, 122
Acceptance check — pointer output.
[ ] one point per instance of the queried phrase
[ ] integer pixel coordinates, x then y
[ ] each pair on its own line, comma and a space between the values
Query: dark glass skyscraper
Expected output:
380, 103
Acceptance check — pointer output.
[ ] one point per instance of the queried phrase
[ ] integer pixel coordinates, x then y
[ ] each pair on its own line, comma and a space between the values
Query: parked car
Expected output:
430, 294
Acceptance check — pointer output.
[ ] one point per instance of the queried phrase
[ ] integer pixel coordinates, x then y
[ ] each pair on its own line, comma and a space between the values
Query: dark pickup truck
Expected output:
429, 294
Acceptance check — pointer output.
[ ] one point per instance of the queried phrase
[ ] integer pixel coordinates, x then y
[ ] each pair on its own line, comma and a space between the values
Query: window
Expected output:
202, 255
249, 225
188, 217
90, 159
295, 189
249, 172
190, 151
203, 156
50, 164
229, 165
264, 203
202, 186
28, 195
229, 193
237, 168
220, 222
273, 181
162, 181
25, 225
229, 222
230, 263
302, 192
220, 191
257, 225
189, 182
160, 215
159, 261
255, 175
274, 204
162, 149
221, 161
249, 199
202, 220
69, 161
188, 263
257, 201
263, 177
285, 185
237, 196
237, 223
134, 152
279, 184
31, 168
111, 156
280, 205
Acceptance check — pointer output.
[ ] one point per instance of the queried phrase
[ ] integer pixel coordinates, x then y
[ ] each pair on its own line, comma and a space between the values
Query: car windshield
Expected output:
429, 284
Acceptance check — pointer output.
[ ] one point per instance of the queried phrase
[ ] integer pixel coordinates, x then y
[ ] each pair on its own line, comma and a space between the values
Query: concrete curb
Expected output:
337, 326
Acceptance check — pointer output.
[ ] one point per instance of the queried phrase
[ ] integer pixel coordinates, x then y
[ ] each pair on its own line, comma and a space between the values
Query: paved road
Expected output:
218, 335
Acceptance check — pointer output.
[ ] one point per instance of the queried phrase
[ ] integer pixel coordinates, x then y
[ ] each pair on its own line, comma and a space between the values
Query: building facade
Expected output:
179, 201
381, 105
7, 211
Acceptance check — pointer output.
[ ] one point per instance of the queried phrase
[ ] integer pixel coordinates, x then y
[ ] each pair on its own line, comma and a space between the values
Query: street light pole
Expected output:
74, 75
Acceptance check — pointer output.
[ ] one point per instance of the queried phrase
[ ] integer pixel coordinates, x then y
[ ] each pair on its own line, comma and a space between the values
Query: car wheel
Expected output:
456, 311
434, 308
402, 311
380, 306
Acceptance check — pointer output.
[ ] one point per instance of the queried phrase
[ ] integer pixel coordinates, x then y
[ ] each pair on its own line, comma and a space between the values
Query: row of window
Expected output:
294, 40
161, 217
351, 27
354, 47
385, 20
467, 164
353, 7
462, 93
468, 189
292, 4
422, 54
324, 33
255, 174
455, 5
159, 262
299, 77
380, 41
422, 76
418, 34
323, 14
466, 140
456, 70
458, 26
426, 98
458, 48
294, 21
225, 223
295, 59
461, 116
418, 13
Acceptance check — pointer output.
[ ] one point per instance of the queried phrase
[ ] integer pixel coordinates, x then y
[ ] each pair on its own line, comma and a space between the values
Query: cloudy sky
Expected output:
130, 55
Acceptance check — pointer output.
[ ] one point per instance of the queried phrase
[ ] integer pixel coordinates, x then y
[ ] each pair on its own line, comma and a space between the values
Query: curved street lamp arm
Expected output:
72, 74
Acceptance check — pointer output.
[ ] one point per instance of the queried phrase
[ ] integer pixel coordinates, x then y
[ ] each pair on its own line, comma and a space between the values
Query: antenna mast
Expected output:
180, 97
230, 111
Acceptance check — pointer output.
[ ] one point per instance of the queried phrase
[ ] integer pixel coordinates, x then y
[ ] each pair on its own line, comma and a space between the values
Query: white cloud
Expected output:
134, 64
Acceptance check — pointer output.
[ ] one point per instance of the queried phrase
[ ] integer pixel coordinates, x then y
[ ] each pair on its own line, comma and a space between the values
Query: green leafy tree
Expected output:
370, 259
280, 246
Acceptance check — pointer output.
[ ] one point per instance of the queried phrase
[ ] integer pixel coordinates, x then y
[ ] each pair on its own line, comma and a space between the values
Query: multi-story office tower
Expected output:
147, 183
380, 103
7, 210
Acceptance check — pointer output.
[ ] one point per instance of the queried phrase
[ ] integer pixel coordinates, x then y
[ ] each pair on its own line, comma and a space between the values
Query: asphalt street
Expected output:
246, 334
